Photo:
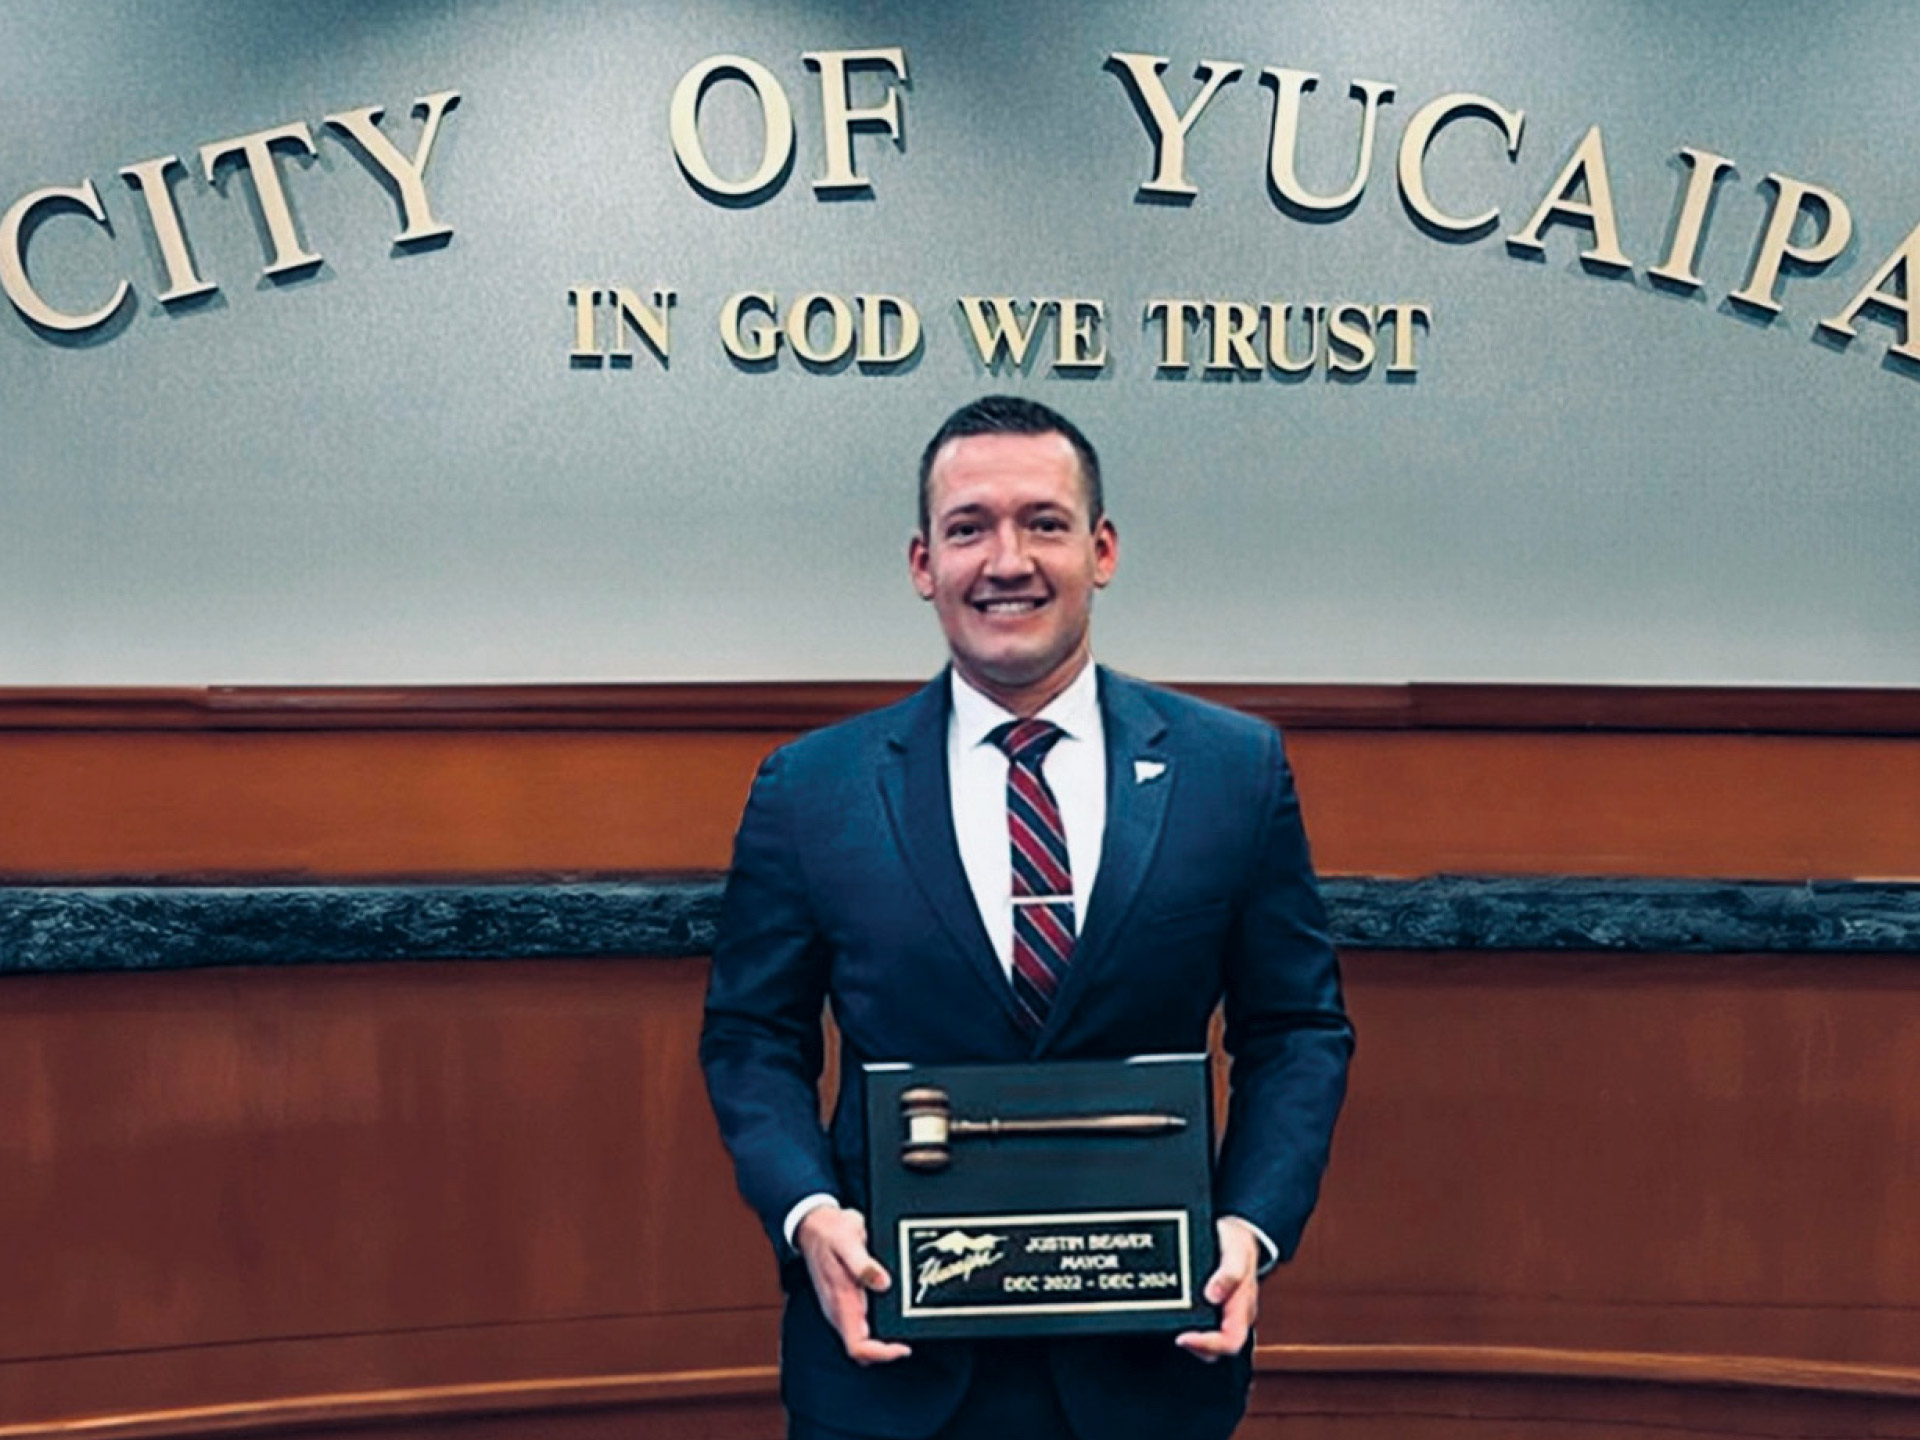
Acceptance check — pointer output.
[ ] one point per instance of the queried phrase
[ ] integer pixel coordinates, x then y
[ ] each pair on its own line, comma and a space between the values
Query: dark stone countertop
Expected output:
57, 928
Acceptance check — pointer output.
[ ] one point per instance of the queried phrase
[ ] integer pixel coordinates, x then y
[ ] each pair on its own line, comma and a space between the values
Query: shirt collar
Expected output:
1075, 709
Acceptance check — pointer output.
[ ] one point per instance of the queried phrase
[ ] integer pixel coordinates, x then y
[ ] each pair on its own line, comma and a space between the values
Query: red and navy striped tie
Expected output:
1043, 929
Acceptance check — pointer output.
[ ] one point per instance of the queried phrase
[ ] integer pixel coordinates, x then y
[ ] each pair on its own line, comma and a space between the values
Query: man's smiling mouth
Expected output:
1021, 605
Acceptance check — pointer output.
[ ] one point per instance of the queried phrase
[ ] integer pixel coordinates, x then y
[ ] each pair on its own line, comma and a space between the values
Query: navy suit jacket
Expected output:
847, 888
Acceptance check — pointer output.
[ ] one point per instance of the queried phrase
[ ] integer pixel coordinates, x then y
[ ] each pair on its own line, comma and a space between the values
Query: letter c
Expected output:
13, 261
1421, 129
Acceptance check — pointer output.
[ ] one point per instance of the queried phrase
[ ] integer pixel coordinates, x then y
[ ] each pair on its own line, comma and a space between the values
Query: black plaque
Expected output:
1077, 1231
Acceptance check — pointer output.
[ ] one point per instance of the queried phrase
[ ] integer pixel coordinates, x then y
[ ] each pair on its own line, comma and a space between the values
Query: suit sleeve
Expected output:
1286, 1027
760, 1043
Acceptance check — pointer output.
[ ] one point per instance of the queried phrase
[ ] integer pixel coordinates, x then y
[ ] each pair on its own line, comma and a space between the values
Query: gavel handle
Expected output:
1149, 1123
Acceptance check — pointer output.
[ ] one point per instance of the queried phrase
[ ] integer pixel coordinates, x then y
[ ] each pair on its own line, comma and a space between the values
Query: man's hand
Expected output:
834, 1243
1235, 1288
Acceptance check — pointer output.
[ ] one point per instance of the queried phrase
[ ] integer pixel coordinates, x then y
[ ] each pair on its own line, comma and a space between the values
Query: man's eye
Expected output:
964, 530
1051, 524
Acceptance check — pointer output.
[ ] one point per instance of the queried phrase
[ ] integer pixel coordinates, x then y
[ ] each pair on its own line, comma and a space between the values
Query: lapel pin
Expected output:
1145, 770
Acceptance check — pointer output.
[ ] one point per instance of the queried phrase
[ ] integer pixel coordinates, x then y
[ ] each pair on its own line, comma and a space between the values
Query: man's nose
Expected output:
1009, 559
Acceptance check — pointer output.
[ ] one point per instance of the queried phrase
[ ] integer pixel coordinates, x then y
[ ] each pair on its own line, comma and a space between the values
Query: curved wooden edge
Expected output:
1745, 1372
777, 707
761, 1383
432, 1402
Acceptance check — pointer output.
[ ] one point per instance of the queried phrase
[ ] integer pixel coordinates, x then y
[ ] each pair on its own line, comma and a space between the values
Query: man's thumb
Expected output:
1225, 1280
873, 1274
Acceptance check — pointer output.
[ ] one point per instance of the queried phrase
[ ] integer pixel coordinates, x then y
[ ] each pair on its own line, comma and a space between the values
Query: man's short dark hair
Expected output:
1011, 415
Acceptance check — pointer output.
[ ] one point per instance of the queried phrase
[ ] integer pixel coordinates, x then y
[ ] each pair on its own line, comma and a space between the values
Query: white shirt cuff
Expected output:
813, 1202
1270, 1255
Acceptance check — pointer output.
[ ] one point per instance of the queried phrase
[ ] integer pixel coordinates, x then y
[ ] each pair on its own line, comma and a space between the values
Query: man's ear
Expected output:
1106, 552
918, 566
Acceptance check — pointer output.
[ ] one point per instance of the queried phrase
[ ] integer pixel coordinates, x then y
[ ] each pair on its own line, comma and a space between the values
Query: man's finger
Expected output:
844, 1233
1225, 1281
1236, 1291
1236, 1316
1239, 1258
1235, 1320
876, 1352
849, 1318
862, 1269
1208, 1345
1216, 1344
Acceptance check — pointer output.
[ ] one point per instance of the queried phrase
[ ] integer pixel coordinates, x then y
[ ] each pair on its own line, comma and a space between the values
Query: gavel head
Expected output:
926, 1112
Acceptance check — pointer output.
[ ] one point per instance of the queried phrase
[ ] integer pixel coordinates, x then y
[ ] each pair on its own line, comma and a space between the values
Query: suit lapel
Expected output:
913, 783
1137, 794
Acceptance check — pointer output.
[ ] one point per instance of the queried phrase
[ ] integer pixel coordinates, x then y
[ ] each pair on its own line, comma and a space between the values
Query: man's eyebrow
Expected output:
972, 509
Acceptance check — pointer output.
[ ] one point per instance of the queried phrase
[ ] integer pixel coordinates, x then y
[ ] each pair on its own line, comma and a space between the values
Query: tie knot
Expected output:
1026, 742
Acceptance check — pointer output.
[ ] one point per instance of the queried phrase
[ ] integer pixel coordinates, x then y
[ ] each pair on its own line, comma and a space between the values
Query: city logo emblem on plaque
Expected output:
954, 1255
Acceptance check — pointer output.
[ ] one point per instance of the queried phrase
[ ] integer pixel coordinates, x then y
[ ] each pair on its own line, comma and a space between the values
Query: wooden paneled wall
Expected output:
1397, 780
1571, 1196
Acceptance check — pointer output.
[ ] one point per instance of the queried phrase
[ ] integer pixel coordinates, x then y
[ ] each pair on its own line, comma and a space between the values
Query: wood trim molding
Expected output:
780, 707
432, 1402
547, 1396
1496, 1362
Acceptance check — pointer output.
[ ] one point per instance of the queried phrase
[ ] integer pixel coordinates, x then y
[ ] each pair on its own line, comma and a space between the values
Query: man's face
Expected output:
1010, 561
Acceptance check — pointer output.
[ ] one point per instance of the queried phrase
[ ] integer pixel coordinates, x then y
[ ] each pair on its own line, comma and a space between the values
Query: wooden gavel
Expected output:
931, 1127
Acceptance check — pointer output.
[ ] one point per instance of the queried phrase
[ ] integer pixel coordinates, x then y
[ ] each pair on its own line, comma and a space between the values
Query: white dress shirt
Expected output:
1076, 771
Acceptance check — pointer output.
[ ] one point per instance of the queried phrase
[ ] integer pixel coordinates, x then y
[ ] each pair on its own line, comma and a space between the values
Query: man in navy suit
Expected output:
872, 871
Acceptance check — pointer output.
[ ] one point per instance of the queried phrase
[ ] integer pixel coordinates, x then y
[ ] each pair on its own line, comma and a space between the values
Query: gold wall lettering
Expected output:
13, 261
800, 328
1168, 126
1001, 336
878, 332
1585, 176
1790, 200
1580, 197
149, 177
1807, 226
631, 313
759, 344
1244, 338
269, 195
1288, 87
1704, 171
879, 316
776, 115
1406, 318
1902, 270
363, 125
258, 156
1417, 139
839, 116
1077, 325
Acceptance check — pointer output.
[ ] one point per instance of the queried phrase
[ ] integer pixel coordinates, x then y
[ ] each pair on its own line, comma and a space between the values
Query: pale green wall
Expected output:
390, 471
